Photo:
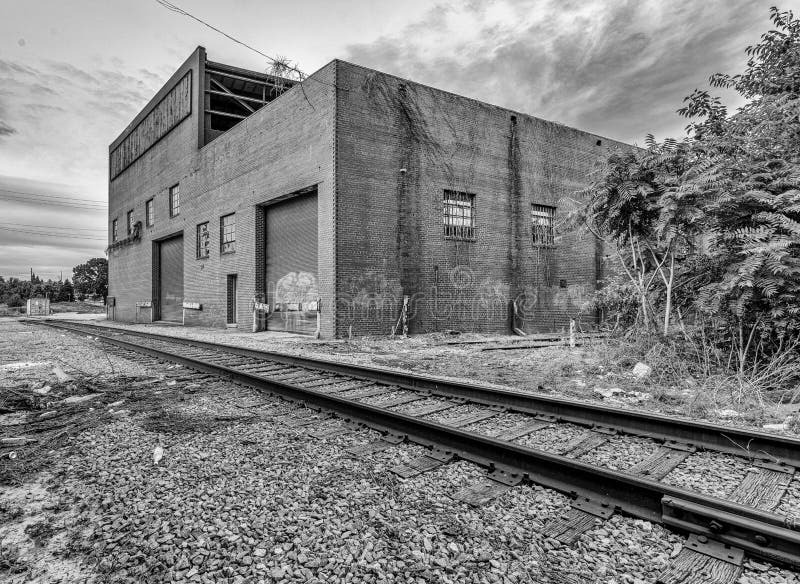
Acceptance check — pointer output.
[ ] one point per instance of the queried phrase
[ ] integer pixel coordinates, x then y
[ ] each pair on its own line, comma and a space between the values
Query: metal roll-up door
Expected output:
170, 293
291, 256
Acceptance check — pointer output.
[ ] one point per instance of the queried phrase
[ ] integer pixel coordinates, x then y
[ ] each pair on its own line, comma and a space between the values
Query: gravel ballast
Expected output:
240, 497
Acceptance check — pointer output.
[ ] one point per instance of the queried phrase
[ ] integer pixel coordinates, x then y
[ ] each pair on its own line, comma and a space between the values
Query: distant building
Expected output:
347, 197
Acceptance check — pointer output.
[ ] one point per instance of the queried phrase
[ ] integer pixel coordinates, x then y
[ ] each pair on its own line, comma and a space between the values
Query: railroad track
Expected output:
500, 430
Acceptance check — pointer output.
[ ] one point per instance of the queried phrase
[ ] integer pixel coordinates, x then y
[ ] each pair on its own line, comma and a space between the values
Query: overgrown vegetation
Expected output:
706, 230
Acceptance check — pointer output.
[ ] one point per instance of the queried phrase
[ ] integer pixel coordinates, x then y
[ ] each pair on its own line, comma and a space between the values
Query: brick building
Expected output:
332, 203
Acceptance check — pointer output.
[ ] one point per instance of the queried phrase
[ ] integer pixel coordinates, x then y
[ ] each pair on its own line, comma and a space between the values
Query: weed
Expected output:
12, 561
9, 512
40, 532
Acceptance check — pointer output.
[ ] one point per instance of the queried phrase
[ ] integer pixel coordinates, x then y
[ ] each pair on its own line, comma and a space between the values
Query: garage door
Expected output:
291, 255
170, 293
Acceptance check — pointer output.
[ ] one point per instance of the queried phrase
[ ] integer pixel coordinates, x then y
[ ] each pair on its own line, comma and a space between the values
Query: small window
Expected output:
129, 221
114, 230
459, 215
203, 241
174, 201
542, 220
149, 213
227, 233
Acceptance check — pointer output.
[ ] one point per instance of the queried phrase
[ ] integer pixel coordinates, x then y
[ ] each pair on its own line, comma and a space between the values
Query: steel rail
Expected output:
760, 534
750, 444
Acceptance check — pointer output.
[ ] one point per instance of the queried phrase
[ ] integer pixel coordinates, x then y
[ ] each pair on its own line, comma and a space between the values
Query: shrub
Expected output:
15, 300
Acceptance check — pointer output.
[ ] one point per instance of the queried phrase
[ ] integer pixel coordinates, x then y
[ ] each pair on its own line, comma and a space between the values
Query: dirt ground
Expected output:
78, 307
75, 309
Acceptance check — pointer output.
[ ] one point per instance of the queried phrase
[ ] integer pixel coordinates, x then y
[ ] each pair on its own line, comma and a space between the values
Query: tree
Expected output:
749, 179
15, 300
637, 206
91, 278
65, 292
716, 216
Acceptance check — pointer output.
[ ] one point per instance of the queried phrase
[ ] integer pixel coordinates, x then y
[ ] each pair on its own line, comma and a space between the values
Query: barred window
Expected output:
203, 241
114, 230
227, 233
174, 201
130, 222
542, 221
459, 215
149, 213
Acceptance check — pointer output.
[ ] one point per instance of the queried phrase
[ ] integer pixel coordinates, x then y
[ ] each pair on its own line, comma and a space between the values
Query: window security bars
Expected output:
459, 215
542, 225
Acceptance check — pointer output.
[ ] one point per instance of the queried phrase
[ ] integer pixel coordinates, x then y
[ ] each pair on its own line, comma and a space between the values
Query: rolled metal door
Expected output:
170, 293
291, 256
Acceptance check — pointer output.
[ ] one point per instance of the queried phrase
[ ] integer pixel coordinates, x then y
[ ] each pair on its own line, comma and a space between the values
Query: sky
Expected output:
74, 74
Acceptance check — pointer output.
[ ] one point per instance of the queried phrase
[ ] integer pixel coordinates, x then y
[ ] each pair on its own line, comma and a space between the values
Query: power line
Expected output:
52, 227
60, 235
303, 76
53, 203
71, 198
47, 198
58, 202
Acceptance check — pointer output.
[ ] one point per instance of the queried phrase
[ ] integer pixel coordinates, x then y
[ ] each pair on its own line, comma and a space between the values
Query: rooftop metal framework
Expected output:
232, 94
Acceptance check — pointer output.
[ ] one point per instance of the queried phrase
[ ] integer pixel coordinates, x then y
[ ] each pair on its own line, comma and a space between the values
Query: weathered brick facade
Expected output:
381, 152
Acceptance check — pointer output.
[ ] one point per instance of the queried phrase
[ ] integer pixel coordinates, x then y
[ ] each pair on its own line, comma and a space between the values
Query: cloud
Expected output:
619, 69
5, 129
45, 237
79, 110
11, 68
62, 117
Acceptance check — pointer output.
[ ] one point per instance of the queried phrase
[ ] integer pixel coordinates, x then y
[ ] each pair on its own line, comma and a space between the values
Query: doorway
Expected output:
231, 299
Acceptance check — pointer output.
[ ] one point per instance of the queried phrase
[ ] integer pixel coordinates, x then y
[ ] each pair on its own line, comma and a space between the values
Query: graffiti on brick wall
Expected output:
573, 297
368, 295
459, 297
463, 295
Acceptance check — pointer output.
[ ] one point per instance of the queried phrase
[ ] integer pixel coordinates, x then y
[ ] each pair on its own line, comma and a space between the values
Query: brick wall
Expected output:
399, 146
381, 152
285, 146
